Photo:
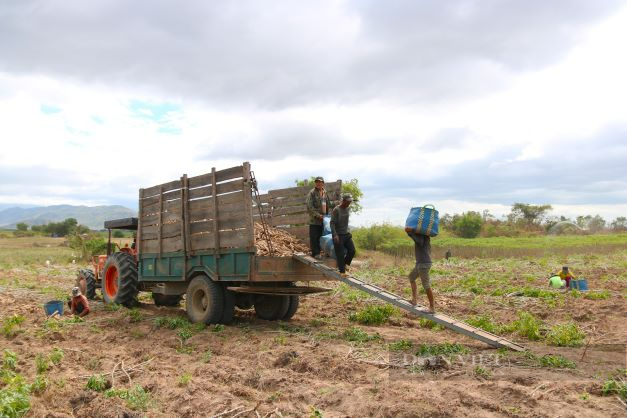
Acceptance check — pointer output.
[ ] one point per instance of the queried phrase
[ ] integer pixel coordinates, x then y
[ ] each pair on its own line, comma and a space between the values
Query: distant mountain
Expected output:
91, 216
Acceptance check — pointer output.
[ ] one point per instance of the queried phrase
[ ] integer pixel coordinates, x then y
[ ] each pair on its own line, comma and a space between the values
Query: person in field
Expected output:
318, 205
566, 275
422, 251
79, 305
342, 239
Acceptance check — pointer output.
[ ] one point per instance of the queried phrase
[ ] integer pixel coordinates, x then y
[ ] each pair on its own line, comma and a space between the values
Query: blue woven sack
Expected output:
423, 220
326, 244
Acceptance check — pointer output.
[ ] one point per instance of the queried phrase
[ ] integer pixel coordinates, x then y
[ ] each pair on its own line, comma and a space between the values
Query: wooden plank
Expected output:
216, 221
300, 232
289, 201
167, 230
227, 187
160, 237
167, 217
208, 226
295, 219
170, 206
169, 245
139, 224
289, 210
160, 188
298, 191
247, 194
222, 175
175, 194
228, 239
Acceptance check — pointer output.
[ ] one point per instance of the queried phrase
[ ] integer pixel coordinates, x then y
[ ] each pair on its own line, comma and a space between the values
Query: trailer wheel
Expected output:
119, 283
86, 281
166, 300
271, 307
229, 307
205, 300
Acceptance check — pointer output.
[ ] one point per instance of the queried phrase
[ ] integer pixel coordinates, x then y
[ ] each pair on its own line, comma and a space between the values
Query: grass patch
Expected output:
206, 356
97, 382
482, 372
11, 325
56, 355
427, 323
526, 325
42, 363
400, 345
185, 379
112, 307
358, 335
615, 387
440, 349
597, 295
9, 361
137, 398
556, 361
373, 314
565, 335
134, 315
484, 322
171, 322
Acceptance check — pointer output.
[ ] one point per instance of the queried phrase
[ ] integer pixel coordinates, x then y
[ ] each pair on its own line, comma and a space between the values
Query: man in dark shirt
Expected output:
422, 250
342, 239
318, 205
79, 305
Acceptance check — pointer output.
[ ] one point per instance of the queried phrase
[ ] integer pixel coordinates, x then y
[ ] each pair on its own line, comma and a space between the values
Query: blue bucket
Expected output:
580, 284
53, 306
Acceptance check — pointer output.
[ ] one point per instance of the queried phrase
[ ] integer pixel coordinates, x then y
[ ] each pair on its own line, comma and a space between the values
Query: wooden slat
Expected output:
299, 191
300, 232
168, 230
248, 204
170, 206
295, 219
160, 222
216, 221
175, 194
208, 226
160, 188
222, 175
289, 210
187, 243
169, 245
167, 217
289, 201
227, 187
228, 239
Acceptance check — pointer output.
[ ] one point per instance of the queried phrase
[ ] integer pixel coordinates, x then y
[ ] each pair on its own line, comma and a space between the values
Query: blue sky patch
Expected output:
49, 109
157, 112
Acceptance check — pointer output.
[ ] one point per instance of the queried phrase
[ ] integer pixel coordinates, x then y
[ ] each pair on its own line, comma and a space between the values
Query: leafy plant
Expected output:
526, 325
134, 315
97, 382
171, 322
11, 324
218, 328
440, 349
373, 314
206, 356
615, 387
482, 372
15, 399
556, 361
484, 322
185, 378
565, 335
10, 359
355, 334
42, 363
400, 345
427, 323
40, 384
136, 397
112, 307
56, 355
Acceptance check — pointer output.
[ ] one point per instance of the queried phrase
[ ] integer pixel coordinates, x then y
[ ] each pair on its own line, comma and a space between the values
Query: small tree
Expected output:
467, 225
619, 224
21, 226
350, 186
529, 214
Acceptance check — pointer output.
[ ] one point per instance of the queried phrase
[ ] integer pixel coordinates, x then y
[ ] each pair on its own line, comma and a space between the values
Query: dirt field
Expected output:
321, 363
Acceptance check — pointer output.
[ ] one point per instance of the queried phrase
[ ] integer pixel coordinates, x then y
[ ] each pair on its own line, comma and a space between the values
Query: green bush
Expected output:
97, 382
556, 361
615, 387
10, 326
373, 314
400, 345
565, 335
355, 334
526, 325
468, 224
375, 236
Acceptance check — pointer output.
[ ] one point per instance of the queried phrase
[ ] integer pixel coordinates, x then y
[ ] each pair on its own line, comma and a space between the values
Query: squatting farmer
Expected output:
566, 275
342, 239
422, 251
79, 305
318, 205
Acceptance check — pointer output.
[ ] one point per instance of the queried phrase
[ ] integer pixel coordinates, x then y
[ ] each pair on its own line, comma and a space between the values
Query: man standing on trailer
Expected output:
342, 239
318, 205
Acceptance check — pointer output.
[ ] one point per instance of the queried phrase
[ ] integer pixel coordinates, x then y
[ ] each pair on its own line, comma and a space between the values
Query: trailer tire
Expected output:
205, 300
229, 307
89, 286
294, 301
166, 300
271, 307
119, 282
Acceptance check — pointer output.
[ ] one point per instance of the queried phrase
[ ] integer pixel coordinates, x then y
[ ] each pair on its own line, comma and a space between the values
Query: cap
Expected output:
319, 179
76, 291
347, 197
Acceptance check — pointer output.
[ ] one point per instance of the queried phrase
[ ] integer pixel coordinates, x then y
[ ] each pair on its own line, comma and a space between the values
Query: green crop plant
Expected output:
400, 345
56, 355
556, 361
137, 398
374, 314
358, 335
40, 384
15, 398
482, 372
112, 307
134, 315
206, 356
440, 349
565, 335
9, 359
218, 328
171, 322
484, 322
42, 364
616, 387
526, 325
185, 379
10, 325
97, 382
599, 295
427, 323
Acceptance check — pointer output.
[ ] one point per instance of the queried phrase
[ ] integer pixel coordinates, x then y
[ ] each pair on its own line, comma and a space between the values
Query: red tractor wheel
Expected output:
119, 281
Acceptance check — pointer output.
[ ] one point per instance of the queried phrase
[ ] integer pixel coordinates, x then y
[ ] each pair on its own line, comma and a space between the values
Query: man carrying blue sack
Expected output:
318, 205
422, 250
342, 239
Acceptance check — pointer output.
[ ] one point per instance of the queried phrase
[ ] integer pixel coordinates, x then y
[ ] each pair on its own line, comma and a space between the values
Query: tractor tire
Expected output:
86, 281
205, 300
229, 307
166, 300
119, 282
271, 307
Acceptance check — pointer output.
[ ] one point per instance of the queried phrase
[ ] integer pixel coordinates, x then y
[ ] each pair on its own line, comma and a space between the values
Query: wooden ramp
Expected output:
439, 318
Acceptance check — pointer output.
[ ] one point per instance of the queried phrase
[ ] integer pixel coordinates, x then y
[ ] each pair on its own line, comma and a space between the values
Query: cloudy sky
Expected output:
468, 105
